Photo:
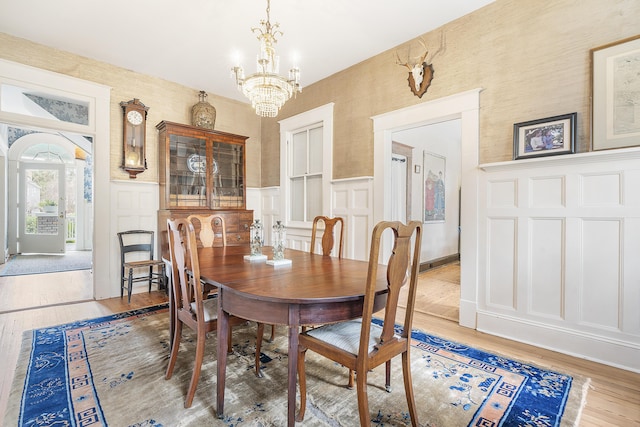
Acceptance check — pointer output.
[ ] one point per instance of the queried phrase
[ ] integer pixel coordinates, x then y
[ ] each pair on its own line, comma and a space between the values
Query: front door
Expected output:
41, 215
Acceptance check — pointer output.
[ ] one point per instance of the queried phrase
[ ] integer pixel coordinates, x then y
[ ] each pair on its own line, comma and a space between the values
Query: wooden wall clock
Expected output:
134, 116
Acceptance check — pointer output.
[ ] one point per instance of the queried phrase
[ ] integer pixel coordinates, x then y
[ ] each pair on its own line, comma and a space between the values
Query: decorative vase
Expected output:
203, 114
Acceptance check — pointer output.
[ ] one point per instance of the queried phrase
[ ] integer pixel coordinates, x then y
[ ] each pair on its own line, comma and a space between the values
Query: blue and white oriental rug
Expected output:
110, 371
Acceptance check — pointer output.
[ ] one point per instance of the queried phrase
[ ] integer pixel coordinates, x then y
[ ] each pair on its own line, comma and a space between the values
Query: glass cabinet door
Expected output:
228, 176
188, 171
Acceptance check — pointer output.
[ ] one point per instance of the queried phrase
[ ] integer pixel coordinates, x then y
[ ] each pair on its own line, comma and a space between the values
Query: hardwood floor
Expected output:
41, 290
439, 292
613, 398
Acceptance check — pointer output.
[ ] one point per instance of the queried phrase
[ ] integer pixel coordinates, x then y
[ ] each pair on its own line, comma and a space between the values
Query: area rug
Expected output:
19, 264
110, 371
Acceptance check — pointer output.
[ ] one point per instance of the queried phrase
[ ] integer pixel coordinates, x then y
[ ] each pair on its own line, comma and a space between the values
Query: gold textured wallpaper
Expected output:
530, 57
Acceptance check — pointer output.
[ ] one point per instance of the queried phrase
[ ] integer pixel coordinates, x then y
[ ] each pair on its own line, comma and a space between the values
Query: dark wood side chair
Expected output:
328, 234
361, 345
191, 308
136, 253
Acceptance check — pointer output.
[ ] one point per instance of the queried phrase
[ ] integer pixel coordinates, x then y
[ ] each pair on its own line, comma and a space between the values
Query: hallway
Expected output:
44, 290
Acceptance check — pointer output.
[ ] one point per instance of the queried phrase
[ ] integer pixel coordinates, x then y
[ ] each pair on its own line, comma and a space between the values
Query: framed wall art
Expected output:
544, 137
616, 94
434, 187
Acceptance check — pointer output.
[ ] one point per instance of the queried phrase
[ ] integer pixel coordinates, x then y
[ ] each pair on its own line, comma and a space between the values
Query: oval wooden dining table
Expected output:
312, 290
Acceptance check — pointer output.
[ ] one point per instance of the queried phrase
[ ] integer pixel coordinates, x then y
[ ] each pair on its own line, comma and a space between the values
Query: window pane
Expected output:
297, 199
299, 154
37, 103
314, 197
315, 150
187, 183
42, 195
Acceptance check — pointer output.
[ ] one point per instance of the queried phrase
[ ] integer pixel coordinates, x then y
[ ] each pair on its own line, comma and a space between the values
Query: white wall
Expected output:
351, 199
133, 206
559, 241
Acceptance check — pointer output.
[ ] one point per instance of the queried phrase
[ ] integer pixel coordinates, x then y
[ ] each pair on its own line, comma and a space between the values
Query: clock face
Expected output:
134, 117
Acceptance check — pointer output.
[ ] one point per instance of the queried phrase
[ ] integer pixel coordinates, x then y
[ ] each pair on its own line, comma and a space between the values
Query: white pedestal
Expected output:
279, 262
255, 258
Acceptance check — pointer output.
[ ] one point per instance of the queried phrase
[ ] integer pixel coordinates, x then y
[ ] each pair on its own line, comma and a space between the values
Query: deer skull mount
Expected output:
420, 73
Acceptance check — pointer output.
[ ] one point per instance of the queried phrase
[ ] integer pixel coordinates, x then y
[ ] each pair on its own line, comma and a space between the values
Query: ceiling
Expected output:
197, 42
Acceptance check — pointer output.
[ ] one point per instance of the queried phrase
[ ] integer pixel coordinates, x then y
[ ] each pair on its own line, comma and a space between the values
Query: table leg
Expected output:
293, 364
223, 340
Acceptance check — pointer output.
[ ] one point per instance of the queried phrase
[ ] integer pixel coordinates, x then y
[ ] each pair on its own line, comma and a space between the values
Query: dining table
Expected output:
313, 289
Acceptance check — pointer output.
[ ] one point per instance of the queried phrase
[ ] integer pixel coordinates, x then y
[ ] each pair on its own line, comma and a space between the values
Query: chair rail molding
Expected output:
560, 244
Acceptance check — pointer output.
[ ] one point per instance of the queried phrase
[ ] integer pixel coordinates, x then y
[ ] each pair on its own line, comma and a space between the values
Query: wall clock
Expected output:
134, 136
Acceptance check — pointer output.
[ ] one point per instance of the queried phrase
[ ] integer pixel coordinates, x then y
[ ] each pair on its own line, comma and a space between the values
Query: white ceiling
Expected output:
196, 42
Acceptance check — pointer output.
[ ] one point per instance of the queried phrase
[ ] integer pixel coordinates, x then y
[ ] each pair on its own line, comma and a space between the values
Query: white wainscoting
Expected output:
352, 199
134, 206
560, 267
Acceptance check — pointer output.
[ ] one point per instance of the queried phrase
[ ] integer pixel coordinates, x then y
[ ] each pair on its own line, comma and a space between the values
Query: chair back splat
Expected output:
328, 234
211, 226
360, 345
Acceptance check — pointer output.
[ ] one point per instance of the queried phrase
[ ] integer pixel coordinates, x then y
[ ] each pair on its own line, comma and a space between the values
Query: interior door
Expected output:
399, 188
41, 208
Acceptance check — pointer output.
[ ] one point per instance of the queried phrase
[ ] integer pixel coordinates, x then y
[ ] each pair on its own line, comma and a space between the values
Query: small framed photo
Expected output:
544, 137
615, 68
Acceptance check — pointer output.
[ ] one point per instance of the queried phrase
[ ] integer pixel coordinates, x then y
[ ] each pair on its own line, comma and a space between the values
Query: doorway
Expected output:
41, 208
49, 180
431, 184
79, 111
463, 106
50, 255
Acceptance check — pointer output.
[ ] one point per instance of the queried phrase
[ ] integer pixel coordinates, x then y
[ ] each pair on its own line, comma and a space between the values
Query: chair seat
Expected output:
210, 309
144, 263
346, 335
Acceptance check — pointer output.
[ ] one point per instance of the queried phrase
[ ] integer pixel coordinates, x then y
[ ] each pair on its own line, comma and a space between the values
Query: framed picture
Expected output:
544, 137
434, 187
616, 94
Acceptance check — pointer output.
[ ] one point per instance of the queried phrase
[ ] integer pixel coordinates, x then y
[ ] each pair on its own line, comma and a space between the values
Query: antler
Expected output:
426, 52
442, 48
419, 62
398, 62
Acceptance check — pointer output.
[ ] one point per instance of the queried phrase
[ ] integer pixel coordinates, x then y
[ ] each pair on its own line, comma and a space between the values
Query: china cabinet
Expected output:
203, 171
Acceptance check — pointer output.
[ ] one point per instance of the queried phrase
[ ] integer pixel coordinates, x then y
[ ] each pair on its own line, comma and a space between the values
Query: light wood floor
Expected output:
613, 398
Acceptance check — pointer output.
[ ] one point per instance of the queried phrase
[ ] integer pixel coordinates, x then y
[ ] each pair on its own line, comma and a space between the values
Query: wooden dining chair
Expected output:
331, 227
361, 345
191, 309
207, 225
328, 234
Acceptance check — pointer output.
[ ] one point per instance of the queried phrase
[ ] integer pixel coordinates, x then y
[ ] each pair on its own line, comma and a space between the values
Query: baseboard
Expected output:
424, 266
612, 352
467, 315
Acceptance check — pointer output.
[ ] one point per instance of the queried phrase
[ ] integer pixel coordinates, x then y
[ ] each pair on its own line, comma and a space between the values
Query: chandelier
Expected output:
267, 90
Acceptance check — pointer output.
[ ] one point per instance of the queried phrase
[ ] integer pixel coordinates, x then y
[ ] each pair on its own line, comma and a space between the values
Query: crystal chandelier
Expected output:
266, 89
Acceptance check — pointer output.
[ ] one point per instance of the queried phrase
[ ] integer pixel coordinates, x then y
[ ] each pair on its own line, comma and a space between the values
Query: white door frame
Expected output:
98, 97
464, 106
